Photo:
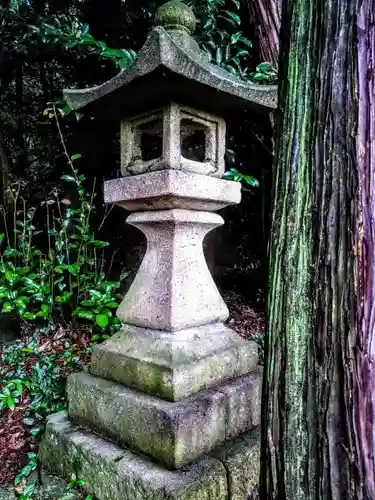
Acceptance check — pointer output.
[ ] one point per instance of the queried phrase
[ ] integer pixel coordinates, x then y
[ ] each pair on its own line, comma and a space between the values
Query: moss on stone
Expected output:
176, 13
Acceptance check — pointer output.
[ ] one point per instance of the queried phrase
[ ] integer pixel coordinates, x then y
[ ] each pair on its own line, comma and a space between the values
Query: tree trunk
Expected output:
266, 17
319, 380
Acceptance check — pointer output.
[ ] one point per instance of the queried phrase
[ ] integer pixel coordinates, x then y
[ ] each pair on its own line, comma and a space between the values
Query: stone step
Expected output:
172, 433
174, 366
111, 472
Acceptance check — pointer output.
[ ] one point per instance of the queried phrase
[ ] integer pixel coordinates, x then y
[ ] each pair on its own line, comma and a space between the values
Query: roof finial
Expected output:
176, 15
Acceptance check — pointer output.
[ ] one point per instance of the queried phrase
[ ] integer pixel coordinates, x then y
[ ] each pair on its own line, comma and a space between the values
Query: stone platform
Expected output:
177, 432
114, 473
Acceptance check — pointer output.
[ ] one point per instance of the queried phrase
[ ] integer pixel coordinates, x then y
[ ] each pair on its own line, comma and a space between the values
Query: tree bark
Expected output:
319, 380
266, 17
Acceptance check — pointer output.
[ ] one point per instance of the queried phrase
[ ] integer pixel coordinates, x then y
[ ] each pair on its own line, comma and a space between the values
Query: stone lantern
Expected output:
171, 404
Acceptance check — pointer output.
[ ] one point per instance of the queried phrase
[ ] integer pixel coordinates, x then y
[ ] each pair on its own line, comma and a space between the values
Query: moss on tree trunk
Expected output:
319, 383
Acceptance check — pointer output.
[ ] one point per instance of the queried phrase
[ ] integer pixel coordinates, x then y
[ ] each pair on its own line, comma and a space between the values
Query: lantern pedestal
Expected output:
174, 384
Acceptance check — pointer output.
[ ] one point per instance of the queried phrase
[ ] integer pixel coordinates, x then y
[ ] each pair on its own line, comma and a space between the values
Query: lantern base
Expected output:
174, 366
111, 472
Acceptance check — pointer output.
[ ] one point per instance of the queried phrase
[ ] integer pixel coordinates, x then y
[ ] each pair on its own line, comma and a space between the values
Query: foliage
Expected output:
36, 368
77, 483
265, 72
234, 175
74, 35
221, 36
69, 278
11, 392
26, 489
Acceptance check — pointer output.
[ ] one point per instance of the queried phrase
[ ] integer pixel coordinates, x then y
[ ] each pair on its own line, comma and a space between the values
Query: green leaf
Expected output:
7, 307
11, 252
251, 181
235, 17
21, 271
30, 316
246, 41
63, 299
87, 303
84, 314
265, 67
2, 236
9, 275
95, 294
242, 52
68, 178
219, 56
237, 4
102, 320
73, 269
258, 76
112, 305
98, 244
22, 300
10, 403
76, 157
61, 268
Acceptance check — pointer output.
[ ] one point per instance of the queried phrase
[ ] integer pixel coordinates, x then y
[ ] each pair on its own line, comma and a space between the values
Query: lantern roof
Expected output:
172, 67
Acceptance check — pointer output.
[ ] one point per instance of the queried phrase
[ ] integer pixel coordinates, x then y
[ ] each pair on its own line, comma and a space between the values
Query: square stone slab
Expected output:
174, 434
112, 473
168, 189
174, 366
171, 433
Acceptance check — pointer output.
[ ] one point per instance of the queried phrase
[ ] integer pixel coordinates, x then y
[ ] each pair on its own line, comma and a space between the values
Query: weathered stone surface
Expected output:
55, 488
241, 459
169, 189
243, 403
6, 494
111, 472
170, 67
173, 289
170, 366
172, 433
171, 126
